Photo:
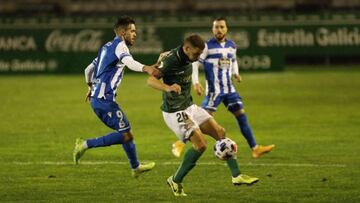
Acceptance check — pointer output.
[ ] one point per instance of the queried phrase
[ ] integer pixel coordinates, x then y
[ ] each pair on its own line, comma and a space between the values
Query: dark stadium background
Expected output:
64, 32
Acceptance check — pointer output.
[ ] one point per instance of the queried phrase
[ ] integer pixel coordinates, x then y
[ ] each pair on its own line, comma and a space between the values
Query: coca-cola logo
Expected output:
82, 41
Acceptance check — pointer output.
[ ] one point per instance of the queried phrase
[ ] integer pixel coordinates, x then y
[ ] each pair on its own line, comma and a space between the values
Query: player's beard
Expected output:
129, 42
220, 37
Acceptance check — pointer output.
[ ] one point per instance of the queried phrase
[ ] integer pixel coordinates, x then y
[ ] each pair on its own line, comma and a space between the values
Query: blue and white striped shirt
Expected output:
219, 61
109, 69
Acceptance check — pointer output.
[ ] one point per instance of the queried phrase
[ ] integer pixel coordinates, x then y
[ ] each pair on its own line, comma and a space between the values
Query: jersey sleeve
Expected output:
89, 71
162, 56
95, 61
203, 54
132, 64
122, 50
166, 64
195, 72
235, 67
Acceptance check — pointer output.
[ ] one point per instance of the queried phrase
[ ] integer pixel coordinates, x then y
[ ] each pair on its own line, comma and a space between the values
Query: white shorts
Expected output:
183, 123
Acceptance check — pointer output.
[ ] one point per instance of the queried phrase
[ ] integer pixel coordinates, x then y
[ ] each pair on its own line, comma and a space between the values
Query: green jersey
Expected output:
176, 68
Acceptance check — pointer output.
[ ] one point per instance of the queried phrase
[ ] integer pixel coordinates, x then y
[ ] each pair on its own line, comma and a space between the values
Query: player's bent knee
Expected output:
239, 112
233, 108
198, 141
210, 112
128, 136
201, 148
221, 132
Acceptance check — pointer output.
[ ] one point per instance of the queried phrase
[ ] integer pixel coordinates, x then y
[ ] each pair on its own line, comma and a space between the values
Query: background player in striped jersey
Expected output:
103, 76
220, 64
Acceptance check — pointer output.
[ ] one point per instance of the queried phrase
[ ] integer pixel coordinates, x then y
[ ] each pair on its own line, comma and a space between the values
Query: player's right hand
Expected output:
198, 88
174, 88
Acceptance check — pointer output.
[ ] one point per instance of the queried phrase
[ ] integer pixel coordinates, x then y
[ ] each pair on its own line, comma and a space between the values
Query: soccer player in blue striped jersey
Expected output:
220, 64
103, 76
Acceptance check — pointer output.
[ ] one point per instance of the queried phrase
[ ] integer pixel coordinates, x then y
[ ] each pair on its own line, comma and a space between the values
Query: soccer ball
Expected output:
225, 148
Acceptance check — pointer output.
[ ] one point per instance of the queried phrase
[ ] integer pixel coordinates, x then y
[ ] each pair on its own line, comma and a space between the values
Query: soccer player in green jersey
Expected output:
188, 121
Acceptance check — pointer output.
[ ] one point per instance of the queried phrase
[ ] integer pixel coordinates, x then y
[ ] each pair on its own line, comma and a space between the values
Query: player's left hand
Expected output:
88, 94
238, 78
198, 88
153, 70
173, 88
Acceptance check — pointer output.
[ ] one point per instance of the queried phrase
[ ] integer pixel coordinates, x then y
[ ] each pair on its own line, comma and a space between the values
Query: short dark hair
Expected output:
220, 18
124, 22
196, 41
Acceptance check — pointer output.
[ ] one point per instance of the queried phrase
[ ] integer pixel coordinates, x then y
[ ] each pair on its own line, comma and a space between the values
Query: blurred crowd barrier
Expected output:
68, 44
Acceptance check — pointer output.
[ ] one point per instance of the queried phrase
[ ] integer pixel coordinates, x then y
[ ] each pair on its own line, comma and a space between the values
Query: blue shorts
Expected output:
232, 101
110, 114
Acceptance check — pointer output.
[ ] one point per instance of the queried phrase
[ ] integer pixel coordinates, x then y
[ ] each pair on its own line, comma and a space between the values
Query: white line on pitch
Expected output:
177, 163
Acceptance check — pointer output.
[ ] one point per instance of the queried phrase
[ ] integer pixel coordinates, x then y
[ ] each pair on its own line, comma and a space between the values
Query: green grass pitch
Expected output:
312, 115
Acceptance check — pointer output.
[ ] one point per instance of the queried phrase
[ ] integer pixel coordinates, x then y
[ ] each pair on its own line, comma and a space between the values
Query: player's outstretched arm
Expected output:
138, 67
152, 70
157, 84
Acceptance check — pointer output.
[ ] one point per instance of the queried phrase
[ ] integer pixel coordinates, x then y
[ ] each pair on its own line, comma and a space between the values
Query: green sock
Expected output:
189, 161
234, 167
